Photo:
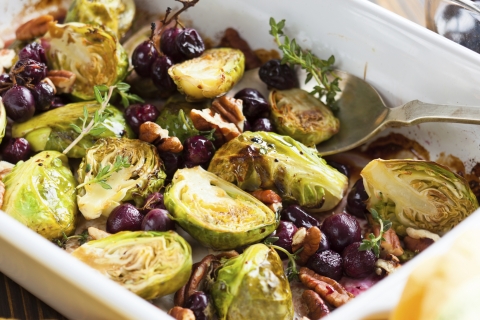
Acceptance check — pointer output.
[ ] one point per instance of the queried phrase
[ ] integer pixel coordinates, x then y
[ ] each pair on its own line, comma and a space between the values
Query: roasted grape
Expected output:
143, 58
277, 75
125, 217
356, 263
138, 113
342, 230
19, 103
189, 43
327, 263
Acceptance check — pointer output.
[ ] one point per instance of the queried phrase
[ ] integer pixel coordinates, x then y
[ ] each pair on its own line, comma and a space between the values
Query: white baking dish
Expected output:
401, 59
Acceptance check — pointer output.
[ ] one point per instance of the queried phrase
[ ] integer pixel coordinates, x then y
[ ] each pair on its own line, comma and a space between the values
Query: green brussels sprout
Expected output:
150, 264
417, 194
211, 75
51, 130
216, 212
41, 194
139, 173
3, 120
253, 285
114, 15
92, 54
268, 160
303, 117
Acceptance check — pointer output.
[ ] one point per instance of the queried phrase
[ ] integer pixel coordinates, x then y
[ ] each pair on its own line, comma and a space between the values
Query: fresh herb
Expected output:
315, 67
372, 242
82, 238
291, 271
122, 88
106, 172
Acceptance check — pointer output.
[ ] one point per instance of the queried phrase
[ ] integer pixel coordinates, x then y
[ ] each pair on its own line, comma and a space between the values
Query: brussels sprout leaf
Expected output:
372, 242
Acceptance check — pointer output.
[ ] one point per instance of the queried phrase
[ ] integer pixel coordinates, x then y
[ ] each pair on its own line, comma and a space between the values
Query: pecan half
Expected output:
232, 39
153, 133
270, 198
180, 313
230, 109
310, 243
327, 288
206, 119
34, 28
317, 309
392, 244
63, 80
417, 245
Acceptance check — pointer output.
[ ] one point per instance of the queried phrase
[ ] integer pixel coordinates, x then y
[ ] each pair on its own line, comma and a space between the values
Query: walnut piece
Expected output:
230, 109
317, 309
180, 313
63, 80
417, 245
34, 28
327, 288
270, 198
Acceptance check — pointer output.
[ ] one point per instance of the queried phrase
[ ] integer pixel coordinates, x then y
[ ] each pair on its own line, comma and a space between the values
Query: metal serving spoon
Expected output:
362, 114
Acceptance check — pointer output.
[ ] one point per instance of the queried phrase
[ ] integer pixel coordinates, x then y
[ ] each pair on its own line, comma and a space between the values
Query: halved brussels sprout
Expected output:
41, 194
51, 130
150, 264
216, 212
253, 286
268, 160
300, 115
142, 176
92, 54
417, 194
211, 75
114, 15
3, 120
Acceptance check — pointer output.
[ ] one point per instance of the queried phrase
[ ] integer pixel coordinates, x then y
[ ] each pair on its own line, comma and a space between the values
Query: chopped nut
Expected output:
392, 244
232, 39
170, 144
180, 313
7, 56
327, 288
34, 28
317, 309
96, 233
298, 239
387, 266
269, 198
2, 193
421, 233
151, 132
417, 245
5, 168
206, 119
63, 80
230, 109
310, 244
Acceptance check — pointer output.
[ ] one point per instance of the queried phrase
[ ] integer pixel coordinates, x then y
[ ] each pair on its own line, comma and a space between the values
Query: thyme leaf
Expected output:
105, 172
372, 242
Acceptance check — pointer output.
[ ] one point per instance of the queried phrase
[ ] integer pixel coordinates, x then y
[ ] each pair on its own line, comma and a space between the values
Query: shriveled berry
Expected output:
43, 94
29, 71
278, 75
34, 51
254, 104
358, 264
262, 124
125, 217
198, 303
189, 43
168, 45
342, 230
356, 200
154, 201
160, 77
16, 149
198, 150
299, 217
327, 263
138, 113
143, 57
19, 103
157, 220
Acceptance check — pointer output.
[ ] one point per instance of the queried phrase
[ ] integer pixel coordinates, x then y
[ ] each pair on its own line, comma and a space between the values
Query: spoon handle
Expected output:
417, 111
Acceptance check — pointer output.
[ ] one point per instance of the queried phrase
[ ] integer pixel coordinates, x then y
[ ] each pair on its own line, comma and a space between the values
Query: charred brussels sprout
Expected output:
92, 54
139, 173
300, 115
417, 194
150, 264
114, 15
216, 212
41, 194
51, 130
211, 75
267, 160
253, 286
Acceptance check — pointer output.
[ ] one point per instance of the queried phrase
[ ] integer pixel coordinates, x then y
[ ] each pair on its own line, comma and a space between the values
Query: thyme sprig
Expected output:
372, 242
291, 271
315, 67
106, 172
122, 89
82, 238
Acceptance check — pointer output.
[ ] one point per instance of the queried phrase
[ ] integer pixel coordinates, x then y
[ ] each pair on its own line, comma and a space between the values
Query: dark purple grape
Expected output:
19, 103
299, 217
198, 150
247, 126
58, 102
139, 113
189, 43
358, 264
327, 263
285, 232
154, 201
43, 94
33, 51
342, 230
172, 162
157, 220
16, 149
342, 168
143, 57
356, 200
262, 124
198, 303
169, 46
5, 83
29, 71
277, 75
254, 104
324, 243
160, 77
125, 217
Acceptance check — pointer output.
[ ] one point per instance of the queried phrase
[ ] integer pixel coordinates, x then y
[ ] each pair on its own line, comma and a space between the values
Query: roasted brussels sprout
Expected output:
139, 173
114, 15
211, 75
268, 160
253, 286
41, 194
216, 212
300, 115
151, 264
52, 131
3, 120
417, 194
92, 54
